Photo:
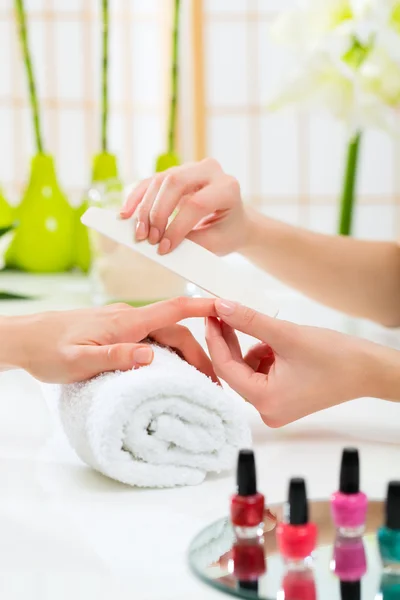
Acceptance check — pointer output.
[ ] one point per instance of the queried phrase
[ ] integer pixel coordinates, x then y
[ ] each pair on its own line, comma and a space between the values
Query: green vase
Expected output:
44, 238
166, 161
104, 167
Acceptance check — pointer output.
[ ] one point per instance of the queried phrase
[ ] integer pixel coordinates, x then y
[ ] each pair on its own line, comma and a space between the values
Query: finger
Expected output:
139, 322
134, 198
144, 229
231, 339
180, 339
178, 183
236, 373
253, 323
196, 208
117, 357
258, 353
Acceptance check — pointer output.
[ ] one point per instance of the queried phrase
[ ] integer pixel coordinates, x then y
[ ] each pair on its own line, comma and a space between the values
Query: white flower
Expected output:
349, 54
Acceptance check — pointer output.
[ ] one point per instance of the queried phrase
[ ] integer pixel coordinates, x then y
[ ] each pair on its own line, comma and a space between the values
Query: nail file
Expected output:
189, 260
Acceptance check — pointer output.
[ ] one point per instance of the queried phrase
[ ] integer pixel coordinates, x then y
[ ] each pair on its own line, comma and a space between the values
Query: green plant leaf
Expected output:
4, 230
11, 296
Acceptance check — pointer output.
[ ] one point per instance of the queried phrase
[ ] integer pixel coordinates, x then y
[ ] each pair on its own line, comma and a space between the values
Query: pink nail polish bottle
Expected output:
349, 505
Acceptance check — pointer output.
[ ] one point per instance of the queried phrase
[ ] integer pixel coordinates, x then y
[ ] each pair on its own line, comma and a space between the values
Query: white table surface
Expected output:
68, 532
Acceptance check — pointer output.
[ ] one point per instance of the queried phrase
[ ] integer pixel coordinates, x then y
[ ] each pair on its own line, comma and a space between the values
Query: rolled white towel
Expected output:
158, 426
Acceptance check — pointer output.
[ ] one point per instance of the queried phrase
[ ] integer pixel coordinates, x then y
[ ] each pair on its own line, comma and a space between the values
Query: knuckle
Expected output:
142, 212
173, 179
70, 355
156, 216
181, 303
158, 179
198, 202
232, 184
248, 315
115, 354
119, 306
212, 163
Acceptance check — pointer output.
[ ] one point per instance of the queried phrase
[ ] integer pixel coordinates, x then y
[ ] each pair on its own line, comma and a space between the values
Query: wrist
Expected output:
254, 221
385, 374
11, 343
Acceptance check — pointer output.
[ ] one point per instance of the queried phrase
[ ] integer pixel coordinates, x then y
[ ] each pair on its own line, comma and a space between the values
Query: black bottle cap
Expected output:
246, 473
350, 472
350, 590
393, 505
297, 502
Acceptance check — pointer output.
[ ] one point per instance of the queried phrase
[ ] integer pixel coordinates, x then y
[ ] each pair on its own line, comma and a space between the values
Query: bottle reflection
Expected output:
350, 565
389, 588
349, 559
299, 584
249, 563
350, 590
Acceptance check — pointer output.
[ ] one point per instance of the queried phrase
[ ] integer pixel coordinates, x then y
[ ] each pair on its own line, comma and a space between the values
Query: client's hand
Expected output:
294, 370
76, 345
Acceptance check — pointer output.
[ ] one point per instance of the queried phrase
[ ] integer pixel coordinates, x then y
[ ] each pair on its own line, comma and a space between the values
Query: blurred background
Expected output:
290, 164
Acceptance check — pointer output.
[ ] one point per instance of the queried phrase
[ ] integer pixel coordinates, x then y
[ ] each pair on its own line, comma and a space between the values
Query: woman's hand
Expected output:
75, 345
294, 370
208, 203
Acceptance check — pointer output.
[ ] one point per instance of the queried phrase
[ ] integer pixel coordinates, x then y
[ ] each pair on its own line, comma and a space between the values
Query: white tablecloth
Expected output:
67, 532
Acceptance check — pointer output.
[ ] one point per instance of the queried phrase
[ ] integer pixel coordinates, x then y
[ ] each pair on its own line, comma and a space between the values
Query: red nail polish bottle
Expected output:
297, 537
247, 505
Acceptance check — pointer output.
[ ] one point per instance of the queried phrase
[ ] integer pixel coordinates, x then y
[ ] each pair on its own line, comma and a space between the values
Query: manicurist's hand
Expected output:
208, 204
294, 370
75, 345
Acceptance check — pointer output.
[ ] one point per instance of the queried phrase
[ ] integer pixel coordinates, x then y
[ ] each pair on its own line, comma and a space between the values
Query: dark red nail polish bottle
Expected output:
297, 537
248, 564
247, 505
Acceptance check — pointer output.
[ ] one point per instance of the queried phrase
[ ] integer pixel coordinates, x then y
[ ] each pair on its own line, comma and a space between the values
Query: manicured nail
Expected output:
164, 246
225, 307
123, 213
154, 235
143, 356
140, 231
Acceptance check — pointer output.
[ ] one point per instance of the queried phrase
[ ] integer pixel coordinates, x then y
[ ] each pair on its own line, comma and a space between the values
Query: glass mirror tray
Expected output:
236, 568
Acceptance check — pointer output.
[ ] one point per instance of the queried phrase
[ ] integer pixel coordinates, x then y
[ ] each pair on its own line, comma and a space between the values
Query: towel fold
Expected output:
158, 426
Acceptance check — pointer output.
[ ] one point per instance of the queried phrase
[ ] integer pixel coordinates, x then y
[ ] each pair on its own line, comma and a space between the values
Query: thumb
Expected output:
251, 322
117, 357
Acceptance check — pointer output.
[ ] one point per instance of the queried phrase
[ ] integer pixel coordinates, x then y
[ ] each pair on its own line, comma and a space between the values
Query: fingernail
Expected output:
164, 246
154, 235
143, 356
140, 231
225, 307
123, 213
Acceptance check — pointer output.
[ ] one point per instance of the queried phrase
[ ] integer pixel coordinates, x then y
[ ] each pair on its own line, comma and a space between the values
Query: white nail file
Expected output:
191, 261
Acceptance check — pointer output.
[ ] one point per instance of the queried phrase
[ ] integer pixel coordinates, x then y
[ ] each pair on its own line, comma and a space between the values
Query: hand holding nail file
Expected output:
191, 261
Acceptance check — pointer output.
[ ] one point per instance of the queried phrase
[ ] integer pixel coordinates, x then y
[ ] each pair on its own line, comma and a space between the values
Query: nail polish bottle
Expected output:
349, 558
248, 563
349, 505
296, 537
389, 534
247, 505
299, 585
350, 590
